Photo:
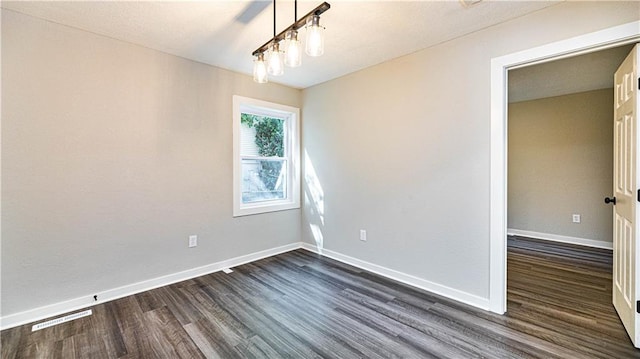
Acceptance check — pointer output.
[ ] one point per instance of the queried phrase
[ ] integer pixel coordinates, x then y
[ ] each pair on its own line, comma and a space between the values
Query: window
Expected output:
266, 151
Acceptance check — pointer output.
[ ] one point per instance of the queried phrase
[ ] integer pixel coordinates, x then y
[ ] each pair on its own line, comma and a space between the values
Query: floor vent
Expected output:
227, 270
61, 320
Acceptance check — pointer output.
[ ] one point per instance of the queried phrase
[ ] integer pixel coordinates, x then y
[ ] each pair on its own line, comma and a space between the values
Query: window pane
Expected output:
261, 136
248, 145
263, 180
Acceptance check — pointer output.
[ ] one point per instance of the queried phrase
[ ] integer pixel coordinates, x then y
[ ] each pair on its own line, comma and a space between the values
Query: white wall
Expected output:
402, 149
561, 163
112, 155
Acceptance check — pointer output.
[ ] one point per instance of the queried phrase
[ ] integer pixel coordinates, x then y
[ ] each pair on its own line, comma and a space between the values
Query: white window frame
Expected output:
291, 116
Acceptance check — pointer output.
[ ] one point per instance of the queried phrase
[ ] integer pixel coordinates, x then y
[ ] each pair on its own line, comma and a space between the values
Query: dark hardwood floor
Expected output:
301, 305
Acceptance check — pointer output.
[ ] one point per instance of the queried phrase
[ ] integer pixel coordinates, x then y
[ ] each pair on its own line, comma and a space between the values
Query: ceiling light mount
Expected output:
292, 55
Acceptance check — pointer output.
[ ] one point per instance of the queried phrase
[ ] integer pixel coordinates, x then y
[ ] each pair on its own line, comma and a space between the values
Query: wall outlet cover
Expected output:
193, 241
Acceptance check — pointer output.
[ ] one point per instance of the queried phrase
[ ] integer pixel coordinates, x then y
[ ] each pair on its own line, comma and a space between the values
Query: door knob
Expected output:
608, 200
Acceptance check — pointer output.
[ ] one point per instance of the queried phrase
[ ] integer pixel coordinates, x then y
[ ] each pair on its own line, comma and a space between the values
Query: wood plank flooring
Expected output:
301, 305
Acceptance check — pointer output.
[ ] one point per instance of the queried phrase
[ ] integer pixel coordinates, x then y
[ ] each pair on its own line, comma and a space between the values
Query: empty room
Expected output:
308, 179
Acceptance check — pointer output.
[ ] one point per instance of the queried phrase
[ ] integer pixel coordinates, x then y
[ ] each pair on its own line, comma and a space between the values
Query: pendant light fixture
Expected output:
292, 54
260, 69
315, 37
293, 49
276, 60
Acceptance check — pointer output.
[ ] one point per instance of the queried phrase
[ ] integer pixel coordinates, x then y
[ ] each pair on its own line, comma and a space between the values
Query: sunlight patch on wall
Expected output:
314, 199
313, 187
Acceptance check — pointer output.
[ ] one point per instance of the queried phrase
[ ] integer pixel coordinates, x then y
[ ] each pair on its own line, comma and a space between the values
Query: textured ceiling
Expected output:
224, 33
571, 75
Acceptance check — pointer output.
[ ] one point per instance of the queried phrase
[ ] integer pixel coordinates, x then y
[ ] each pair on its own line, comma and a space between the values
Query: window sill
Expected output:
248, 210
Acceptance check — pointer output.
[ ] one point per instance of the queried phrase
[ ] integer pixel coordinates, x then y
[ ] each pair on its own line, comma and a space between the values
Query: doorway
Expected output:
560, 149
600, 40
559, 168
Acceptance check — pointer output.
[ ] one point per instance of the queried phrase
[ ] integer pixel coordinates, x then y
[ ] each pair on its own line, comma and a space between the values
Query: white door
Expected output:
626, 187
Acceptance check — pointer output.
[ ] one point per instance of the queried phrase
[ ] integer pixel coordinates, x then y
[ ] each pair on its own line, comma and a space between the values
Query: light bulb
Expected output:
293, 49
260, 70
276, 61
315, 37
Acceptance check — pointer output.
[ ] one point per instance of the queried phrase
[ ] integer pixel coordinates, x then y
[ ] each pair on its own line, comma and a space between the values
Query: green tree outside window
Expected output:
270, 142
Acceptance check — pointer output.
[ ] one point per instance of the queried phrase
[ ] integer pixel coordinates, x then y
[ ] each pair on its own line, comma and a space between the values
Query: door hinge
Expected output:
638, 306
639, 195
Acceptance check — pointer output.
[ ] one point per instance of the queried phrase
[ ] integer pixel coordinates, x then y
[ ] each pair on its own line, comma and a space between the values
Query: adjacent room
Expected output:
560, 171
271, 179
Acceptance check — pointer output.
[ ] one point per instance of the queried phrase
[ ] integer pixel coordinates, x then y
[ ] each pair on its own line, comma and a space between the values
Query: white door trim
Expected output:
599, 40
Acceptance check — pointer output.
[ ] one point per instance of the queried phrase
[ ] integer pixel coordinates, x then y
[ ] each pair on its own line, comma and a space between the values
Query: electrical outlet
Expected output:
193, 241
363, 235
576, 218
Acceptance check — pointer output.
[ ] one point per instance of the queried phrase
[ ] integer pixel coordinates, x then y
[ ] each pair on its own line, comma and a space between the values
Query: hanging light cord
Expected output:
274, 18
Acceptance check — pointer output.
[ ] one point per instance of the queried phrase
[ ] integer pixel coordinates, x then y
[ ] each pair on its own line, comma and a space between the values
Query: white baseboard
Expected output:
559, 238
14, 320
455, 294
